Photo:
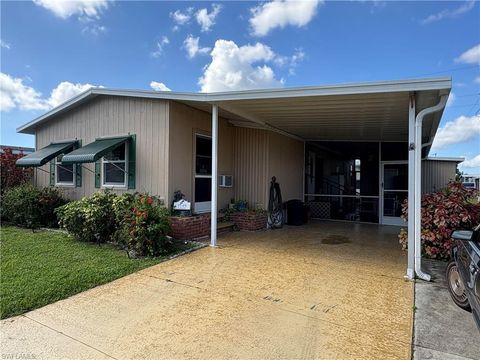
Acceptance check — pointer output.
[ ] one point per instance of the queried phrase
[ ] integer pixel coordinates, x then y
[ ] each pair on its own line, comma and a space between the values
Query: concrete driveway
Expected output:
326, 291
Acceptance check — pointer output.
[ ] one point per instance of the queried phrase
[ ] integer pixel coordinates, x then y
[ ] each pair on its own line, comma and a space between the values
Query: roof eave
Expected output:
444, 83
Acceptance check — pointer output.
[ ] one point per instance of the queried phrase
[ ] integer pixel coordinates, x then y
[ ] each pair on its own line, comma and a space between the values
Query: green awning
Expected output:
94, 151
44, 155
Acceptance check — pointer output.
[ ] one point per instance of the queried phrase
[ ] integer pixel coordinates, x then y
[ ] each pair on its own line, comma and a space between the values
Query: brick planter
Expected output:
189, 227
249, 221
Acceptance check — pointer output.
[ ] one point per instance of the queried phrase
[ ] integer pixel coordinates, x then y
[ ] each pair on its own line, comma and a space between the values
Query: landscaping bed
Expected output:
38, 268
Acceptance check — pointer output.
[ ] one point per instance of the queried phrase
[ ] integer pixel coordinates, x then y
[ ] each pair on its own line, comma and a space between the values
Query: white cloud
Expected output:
238, 68
280, 13
158, 86
477, 80
82, 8
451, 99
471, 163
181, 17
65, 91
94, 29
205, 19
461, 129
449, 14
471, 56
191, 44
291, 61
4, 45
14, 94
159, 46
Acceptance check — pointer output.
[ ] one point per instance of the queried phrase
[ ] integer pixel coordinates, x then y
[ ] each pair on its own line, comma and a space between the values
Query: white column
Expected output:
213, 213
411, 189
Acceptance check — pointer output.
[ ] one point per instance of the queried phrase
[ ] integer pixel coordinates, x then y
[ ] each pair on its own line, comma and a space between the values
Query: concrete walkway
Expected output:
325, 291
443, 331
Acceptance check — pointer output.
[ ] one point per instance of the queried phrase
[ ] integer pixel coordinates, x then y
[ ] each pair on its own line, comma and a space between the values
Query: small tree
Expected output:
12, 175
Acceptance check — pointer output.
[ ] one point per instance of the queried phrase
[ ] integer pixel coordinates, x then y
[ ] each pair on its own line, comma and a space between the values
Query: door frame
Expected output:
204, 206
388, 220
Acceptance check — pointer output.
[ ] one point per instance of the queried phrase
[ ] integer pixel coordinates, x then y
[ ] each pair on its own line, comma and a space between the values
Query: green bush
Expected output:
29, 207
144, 226
19, 206
90, 219
136, 222
49, 199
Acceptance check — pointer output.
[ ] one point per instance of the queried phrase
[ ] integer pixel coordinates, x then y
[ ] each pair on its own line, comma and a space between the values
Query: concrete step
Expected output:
225, 226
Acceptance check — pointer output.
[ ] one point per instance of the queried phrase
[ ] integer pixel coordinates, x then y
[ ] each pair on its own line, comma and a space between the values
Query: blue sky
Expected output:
51, 50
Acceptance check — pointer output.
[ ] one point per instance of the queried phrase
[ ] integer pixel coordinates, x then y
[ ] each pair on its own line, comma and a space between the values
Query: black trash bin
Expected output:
296, 212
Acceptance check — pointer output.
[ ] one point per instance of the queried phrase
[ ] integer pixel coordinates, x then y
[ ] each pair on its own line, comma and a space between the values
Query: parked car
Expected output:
463, 272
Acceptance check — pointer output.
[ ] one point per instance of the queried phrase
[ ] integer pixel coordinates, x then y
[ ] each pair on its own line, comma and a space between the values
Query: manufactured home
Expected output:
351, 152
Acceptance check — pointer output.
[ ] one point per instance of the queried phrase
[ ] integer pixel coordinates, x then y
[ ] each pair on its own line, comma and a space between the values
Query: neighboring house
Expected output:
343, 149
472, 181
437, 172
17, 149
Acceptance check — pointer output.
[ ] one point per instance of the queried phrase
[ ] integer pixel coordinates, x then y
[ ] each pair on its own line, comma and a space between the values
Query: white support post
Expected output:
418, 183
213, 214
411, 189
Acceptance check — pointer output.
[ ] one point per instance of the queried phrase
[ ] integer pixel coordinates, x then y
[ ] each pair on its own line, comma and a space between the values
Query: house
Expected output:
351, 152
472, 181
438, 171
17, 149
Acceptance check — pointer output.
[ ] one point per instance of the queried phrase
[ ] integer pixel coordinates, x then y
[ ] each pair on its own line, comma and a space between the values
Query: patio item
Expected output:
275, 211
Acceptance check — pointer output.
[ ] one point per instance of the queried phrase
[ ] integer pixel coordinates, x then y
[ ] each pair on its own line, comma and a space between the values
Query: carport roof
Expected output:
373, 111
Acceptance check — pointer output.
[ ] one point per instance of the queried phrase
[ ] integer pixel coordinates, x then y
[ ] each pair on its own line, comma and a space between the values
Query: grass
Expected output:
40, 268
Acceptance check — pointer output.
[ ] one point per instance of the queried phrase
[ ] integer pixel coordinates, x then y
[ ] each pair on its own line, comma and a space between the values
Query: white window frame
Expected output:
63, 183
125, 178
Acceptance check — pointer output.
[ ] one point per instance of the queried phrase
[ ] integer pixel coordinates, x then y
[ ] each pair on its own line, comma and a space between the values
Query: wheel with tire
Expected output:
456, 287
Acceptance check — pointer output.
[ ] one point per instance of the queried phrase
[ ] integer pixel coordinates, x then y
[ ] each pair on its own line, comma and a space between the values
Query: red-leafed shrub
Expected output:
11, 175
443, 212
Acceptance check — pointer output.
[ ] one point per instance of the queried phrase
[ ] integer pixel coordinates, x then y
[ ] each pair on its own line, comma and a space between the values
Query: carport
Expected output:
407, 111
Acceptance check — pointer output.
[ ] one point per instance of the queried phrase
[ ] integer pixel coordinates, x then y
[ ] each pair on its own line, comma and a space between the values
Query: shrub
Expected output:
19, 206
48, 200
29, 207
90, 219
135, 222
443, 212
11, 175
145, 226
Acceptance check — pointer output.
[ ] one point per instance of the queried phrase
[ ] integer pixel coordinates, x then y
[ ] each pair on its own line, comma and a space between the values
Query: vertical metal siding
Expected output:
108, 116
436, 174
251, 165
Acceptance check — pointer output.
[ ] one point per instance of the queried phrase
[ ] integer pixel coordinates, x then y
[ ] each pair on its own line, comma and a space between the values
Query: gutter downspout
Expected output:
418, 183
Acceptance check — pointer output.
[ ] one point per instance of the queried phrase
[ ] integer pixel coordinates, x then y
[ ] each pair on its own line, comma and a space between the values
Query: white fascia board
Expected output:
444, 158
442, 84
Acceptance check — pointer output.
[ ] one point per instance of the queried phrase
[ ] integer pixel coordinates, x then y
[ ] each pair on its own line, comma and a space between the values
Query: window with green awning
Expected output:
113, 157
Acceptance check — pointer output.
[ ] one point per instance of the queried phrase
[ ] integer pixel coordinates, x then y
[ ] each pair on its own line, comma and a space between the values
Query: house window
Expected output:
64, 174
114, 167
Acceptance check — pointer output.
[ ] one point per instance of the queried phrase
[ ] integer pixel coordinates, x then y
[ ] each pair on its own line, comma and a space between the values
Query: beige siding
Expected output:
251, 166
286, 163
109, 116
436, 174
185, 122
261, 154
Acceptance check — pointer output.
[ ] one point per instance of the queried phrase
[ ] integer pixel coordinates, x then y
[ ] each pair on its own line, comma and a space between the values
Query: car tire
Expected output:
456, 287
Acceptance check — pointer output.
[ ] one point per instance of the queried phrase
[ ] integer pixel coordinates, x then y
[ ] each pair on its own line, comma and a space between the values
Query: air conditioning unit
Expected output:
225, 181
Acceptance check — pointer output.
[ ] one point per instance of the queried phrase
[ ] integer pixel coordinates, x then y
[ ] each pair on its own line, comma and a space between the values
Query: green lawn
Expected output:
42, 267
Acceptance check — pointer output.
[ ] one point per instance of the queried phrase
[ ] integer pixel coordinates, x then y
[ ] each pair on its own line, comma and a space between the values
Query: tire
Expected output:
456, 287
